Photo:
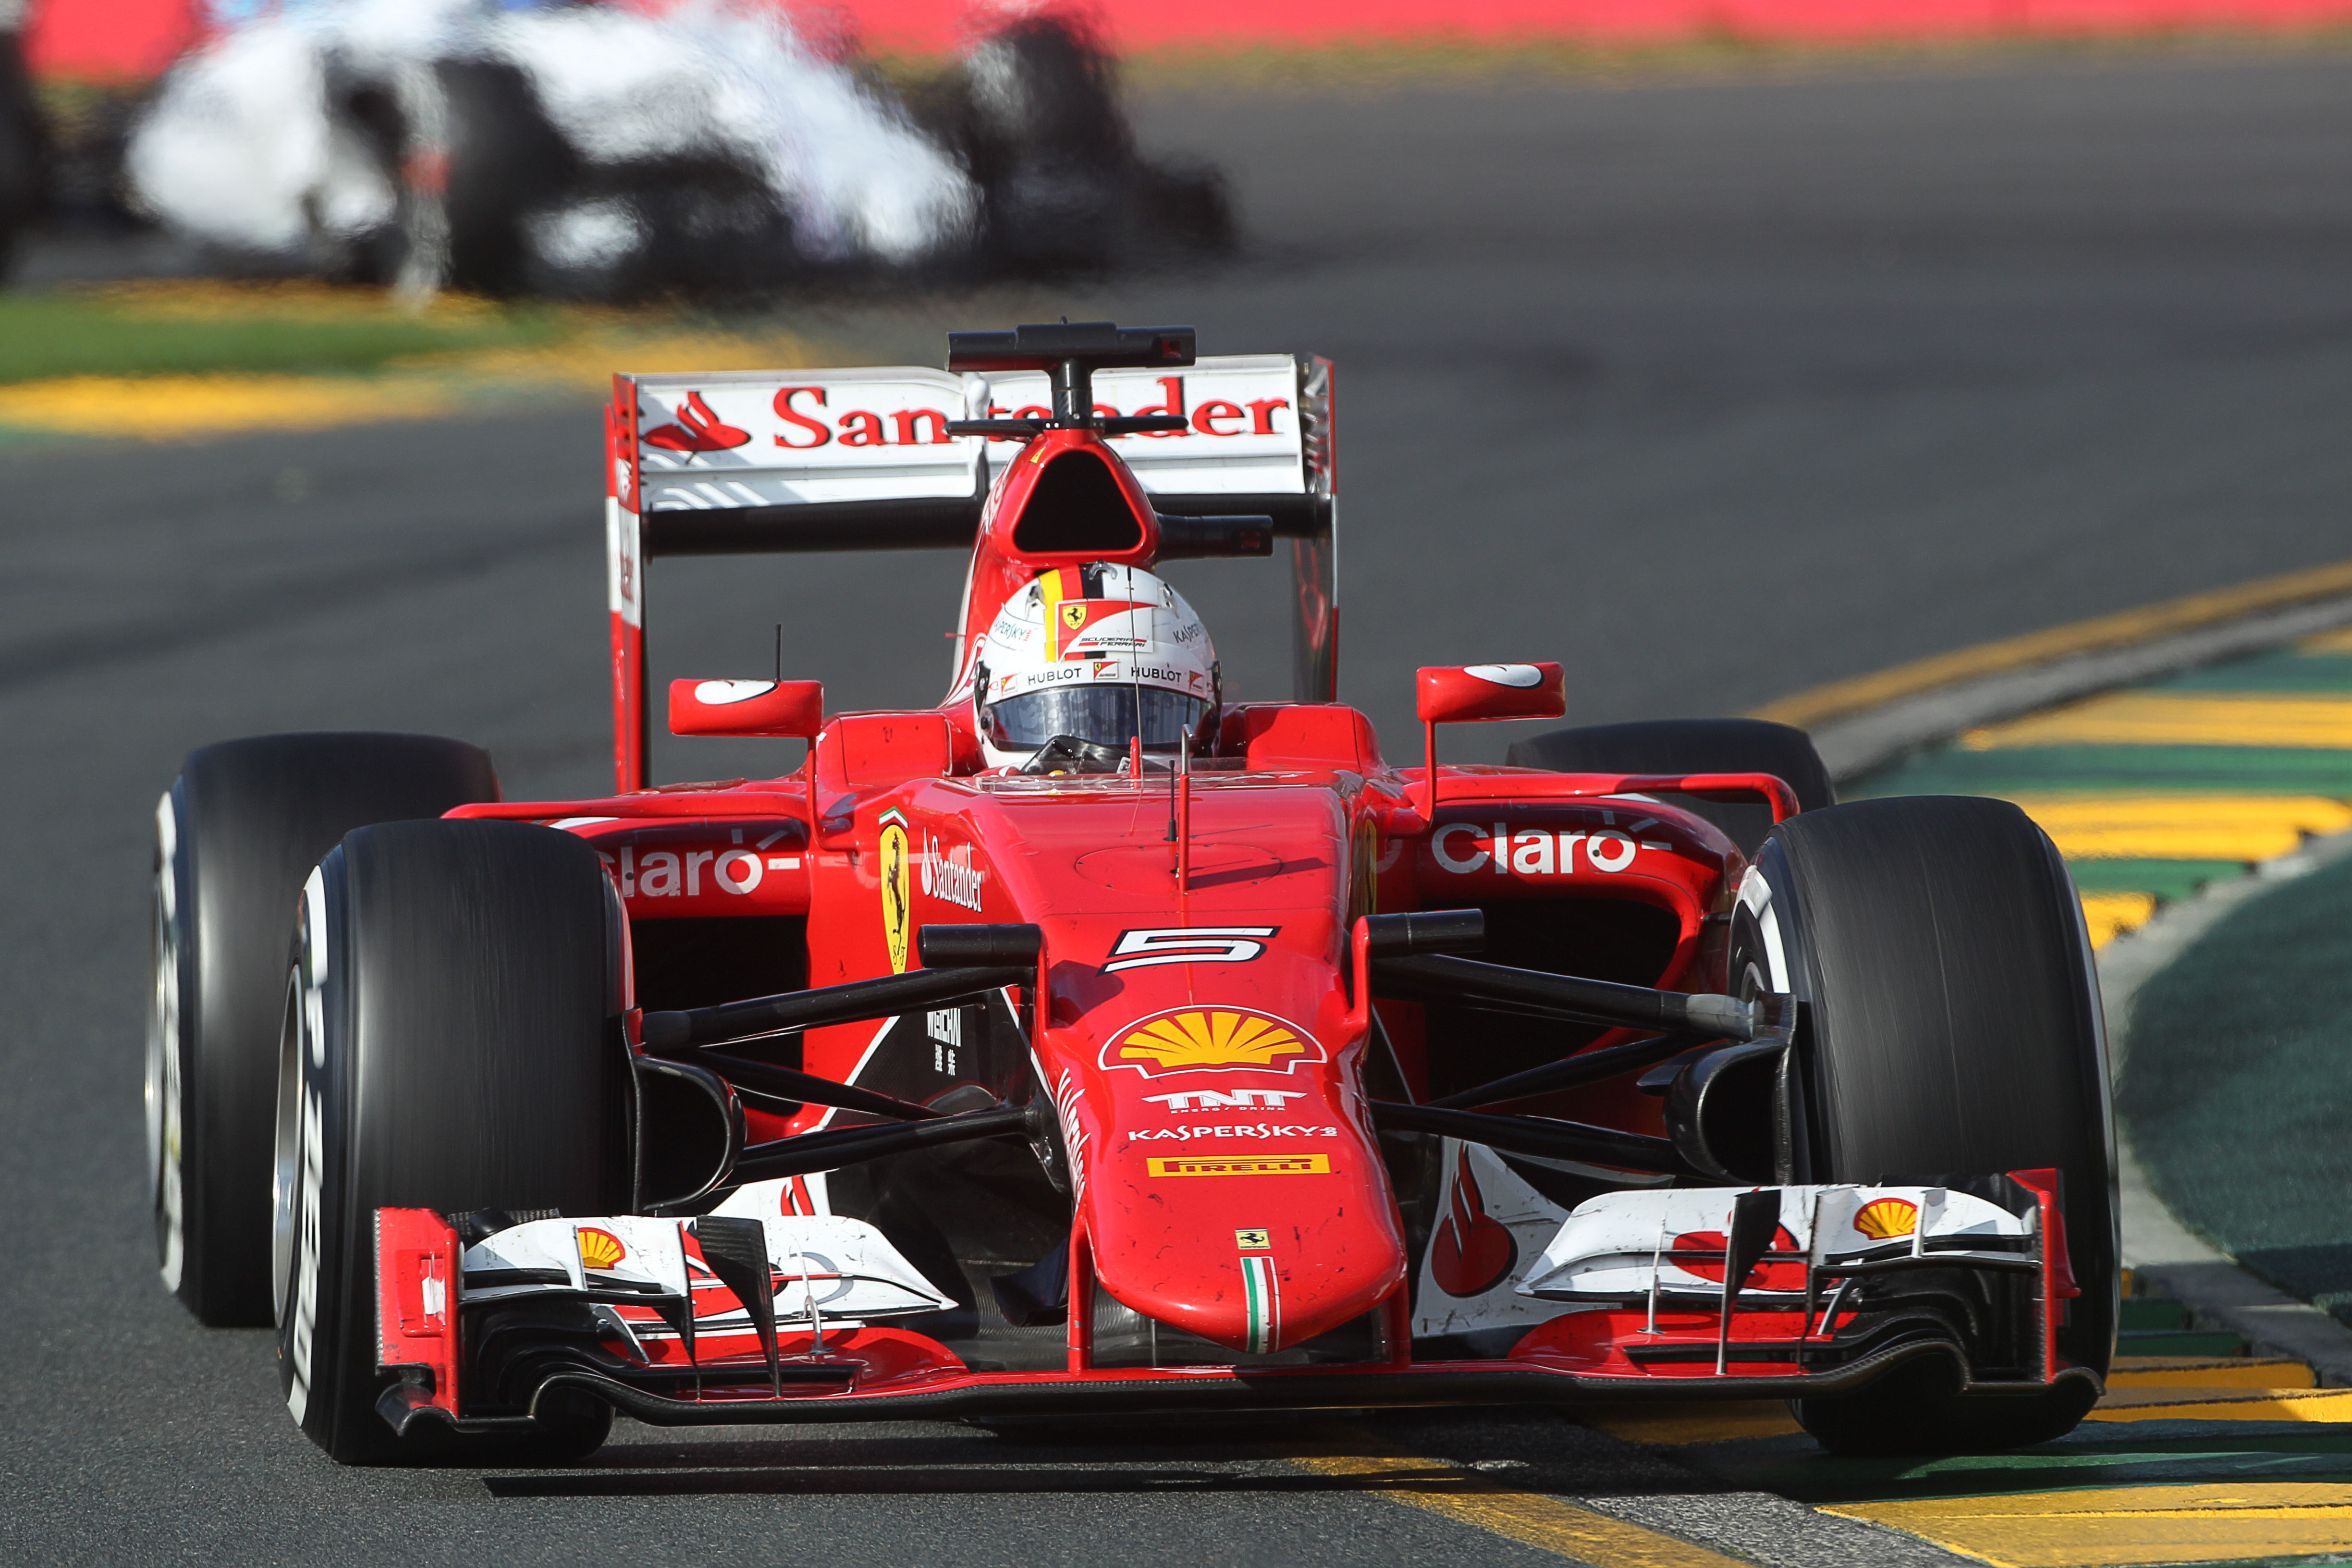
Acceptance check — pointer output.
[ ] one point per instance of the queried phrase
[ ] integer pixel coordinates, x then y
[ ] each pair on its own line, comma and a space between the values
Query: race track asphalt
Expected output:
1714, 390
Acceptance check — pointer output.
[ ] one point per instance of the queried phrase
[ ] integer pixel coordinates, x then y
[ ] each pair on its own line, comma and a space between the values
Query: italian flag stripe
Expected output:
1265, 1304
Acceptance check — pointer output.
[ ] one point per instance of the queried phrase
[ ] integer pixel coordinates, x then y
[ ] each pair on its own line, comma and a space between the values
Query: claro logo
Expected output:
684, 870
810, 421
1464, 847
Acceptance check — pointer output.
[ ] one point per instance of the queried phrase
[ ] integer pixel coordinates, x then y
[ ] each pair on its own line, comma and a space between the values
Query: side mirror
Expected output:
784, 710
1463, 693
1466, 693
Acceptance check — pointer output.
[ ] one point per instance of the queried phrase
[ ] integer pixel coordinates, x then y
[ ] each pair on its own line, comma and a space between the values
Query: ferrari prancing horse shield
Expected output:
893, 869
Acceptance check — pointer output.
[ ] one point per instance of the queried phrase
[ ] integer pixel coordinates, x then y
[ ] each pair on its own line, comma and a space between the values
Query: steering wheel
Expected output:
1069, 754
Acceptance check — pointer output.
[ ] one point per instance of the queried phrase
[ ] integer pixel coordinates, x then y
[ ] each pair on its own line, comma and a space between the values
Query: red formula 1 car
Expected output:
1092, 1042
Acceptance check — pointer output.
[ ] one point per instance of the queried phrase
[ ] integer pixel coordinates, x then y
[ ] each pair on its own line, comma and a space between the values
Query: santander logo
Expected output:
1214, 416
810, 419
697, 430
950, 876
808, 427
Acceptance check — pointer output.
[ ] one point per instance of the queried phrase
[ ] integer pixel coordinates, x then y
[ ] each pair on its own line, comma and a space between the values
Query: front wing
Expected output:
1707, 1293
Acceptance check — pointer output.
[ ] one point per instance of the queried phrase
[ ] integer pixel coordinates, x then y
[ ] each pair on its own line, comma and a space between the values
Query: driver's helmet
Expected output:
1099, 655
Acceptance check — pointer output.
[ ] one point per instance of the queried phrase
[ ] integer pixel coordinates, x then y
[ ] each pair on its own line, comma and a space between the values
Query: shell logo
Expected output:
1195, 1038
1883, 1220
599, 1249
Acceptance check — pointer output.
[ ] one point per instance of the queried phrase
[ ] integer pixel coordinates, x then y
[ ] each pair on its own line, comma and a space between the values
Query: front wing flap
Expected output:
1675, 1293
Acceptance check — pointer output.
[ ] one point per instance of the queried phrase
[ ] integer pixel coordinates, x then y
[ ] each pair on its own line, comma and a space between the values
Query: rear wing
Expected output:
758, 462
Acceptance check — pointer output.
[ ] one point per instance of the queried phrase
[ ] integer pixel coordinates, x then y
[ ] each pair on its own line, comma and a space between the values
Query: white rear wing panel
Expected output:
1247, 437
755, 462
861, 459
765, 439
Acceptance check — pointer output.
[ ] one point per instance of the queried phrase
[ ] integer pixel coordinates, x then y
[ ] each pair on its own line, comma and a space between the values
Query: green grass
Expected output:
2165, 879
198, 328
2110, 770
2237, 1085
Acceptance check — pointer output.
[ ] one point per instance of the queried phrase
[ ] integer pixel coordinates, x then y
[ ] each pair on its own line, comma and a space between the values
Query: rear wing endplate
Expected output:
757, 462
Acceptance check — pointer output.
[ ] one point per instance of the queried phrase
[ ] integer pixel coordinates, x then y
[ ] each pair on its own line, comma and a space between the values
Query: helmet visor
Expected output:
1106, 715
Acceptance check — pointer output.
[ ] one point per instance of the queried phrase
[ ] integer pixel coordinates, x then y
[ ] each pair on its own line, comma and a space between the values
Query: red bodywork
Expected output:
1257, 1229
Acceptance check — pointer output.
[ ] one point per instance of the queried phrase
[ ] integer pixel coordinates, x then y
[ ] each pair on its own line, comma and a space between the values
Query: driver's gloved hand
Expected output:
1069, 754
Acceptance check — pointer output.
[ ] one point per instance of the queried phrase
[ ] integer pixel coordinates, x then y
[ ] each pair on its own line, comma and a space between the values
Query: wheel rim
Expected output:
284, 1184
297, 1180
162, 1078
1767, 955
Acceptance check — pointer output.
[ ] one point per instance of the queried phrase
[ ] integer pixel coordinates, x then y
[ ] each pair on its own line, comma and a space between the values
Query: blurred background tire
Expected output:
23, 183
1031, 112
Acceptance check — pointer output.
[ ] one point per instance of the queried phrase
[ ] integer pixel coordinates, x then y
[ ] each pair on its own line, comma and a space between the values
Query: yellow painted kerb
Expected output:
2330, 1407
2202, 1523
2207, 1372
1841, 698
2244, 828
1531, 1518
166, 407
2108, 915
179, 407
2179, 719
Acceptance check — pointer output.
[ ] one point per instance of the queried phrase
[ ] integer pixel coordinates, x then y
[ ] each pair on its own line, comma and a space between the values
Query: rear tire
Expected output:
1692, 746
239, 829
451, 1042
1953, 1030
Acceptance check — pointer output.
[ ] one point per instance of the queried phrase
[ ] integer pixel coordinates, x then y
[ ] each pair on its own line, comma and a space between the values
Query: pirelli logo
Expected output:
1239, 1165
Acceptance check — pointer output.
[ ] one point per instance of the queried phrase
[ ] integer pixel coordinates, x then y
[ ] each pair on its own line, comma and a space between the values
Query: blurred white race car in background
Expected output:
598, 151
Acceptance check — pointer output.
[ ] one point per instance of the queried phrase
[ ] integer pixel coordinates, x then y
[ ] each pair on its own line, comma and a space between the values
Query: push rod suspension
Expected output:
860, 999
791, 1083
1536, 1135
1439, 977
826, 1151
1571, 1072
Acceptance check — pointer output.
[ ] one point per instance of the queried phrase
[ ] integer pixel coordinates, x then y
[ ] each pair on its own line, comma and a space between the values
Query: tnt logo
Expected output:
1227, 1099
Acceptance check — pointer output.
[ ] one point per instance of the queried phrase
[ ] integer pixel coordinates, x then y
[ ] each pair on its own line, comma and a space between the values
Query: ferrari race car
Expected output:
1091, 1043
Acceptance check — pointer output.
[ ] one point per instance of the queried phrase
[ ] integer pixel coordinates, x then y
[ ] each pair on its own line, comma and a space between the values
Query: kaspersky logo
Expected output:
1226, 1099
1206, 1039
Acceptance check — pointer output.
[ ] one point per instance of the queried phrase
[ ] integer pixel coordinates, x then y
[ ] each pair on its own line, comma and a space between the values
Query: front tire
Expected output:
239, 830
451, 1042
1953, 1027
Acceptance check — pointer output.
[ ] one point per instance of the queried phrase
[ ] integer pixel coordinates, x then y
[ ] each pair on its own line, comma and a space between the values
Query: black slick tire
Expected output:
239, 830
1692, 746
451, 1042
1952, 1028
